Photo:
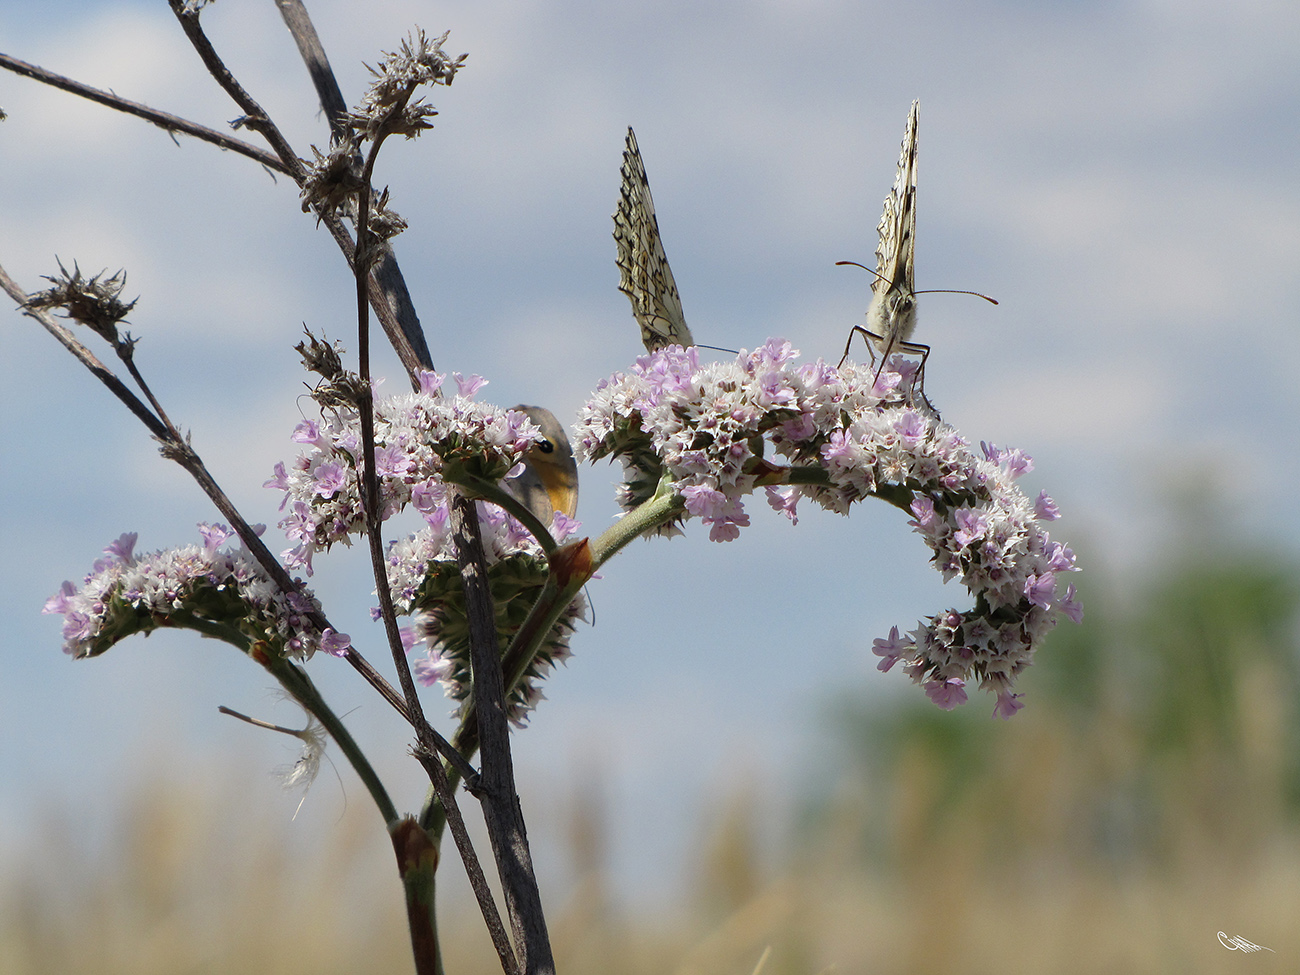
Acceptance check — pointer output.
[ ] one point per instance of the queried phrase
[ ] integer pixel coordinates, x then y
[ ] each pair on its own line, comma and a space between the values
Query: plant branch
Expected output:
164, 120
84, 356
176, 449
254, 117
423, 939
497, 792
390, 296
444, 785
318, 66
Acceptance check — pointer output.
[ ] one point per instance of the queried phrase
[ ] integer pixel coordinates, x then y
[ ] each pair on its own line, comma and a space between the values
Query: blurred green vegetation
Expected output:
1147, 798
1168, 716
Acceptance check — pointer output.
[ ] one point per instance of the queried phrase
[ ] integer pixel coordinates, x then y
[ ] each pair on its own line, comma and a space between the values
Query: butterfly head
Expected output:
892, 316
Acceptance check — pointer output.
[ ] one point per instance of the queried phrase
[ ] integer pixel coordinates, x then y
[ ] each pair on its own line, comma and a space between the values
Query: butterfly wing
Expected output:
644, 274
892, 315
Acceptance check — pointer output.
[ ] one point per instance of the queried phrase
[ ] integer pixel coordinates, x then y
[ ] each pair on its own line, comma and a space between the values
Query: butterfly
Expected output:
549, 480
644, 274
891, 316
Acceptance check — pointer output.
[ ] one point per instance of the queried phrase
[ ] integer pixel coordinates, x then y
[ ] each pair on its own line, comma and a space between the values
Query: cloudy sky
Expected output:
1121, 176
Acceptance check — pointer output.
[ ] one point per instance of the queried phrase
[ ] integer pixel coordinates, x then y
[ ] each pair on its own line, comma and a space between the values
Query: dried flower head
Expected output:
93, 302
386, 108
332, 181
385, 224
339, 387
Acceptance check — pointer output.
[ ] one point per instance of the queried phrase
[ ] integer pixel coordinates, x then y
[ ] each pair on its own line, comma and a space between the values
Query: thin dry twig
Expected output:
182, 453
318, 65
442, 782
390, 297
164, 120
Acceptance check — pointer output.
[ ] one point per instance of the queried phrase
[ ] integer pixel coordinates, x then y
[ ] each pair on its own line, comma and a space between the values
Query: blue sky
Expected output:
1121, 176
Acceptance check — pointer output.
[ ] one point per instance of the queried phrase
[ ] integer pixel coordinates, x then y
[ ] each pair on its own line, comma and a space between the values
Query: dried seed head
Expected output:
340, 387
387, 108
332, 184
93, 302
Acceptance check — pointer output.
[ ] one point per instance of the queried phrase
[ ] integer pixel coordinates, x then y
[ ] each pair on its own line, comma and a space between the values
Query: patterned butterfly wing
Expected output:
644, 274
892, 314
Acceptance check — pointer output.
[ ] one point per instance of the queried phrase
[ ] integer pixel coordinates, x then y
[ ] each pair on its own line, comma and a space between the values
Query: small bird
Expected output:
549, 482
644, 274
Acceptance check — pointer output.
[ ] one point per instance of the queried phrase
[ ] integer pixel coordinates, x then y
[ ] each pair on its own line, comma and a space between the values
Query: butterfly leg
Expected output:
918, 382
867, 336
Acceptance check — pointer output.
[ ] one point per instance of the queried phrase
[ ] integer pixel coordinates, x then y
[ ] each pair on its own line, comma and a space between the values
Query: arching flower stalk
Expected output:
718, 432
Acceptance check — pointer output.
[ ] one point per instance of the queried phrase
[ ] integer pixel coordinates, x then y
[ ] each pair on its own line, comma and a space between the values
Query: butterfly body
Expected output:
644, 274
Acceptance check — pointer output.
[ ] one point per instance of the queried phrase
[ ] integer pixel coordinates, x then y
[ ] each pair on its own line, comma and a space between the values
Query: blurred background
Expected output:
719, 769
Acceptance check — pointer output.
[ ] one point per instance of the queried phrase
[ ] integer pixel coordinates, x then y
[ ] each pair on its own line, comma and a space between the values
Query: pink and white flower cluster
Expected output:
715, 432
417, 436
196, 586
424, 577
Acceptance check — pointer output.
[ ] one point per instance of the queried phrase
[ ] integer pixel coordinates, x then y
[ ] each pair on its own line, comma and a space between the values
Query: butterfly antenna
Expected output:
716, 348
932, 291
945, 291
865, 268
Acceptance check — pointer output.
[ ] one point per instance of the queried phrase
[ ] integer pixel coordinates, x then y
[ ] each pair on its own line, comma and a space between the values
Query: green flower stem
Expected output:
478, 488
899, 495
550, 604
417, 862
300, 687
807, 475
237, 638
661, 508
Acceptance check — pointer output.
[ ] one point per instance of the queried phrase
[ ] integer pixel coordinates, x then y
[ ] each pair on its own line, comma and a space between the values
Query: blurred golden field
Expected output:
1144, 802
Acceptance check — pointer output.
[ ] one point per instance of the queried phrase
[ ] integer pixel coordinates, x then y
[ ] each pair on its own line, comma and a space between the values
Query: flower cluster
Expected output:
845, 434
423, 441
425, 580
225, 594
